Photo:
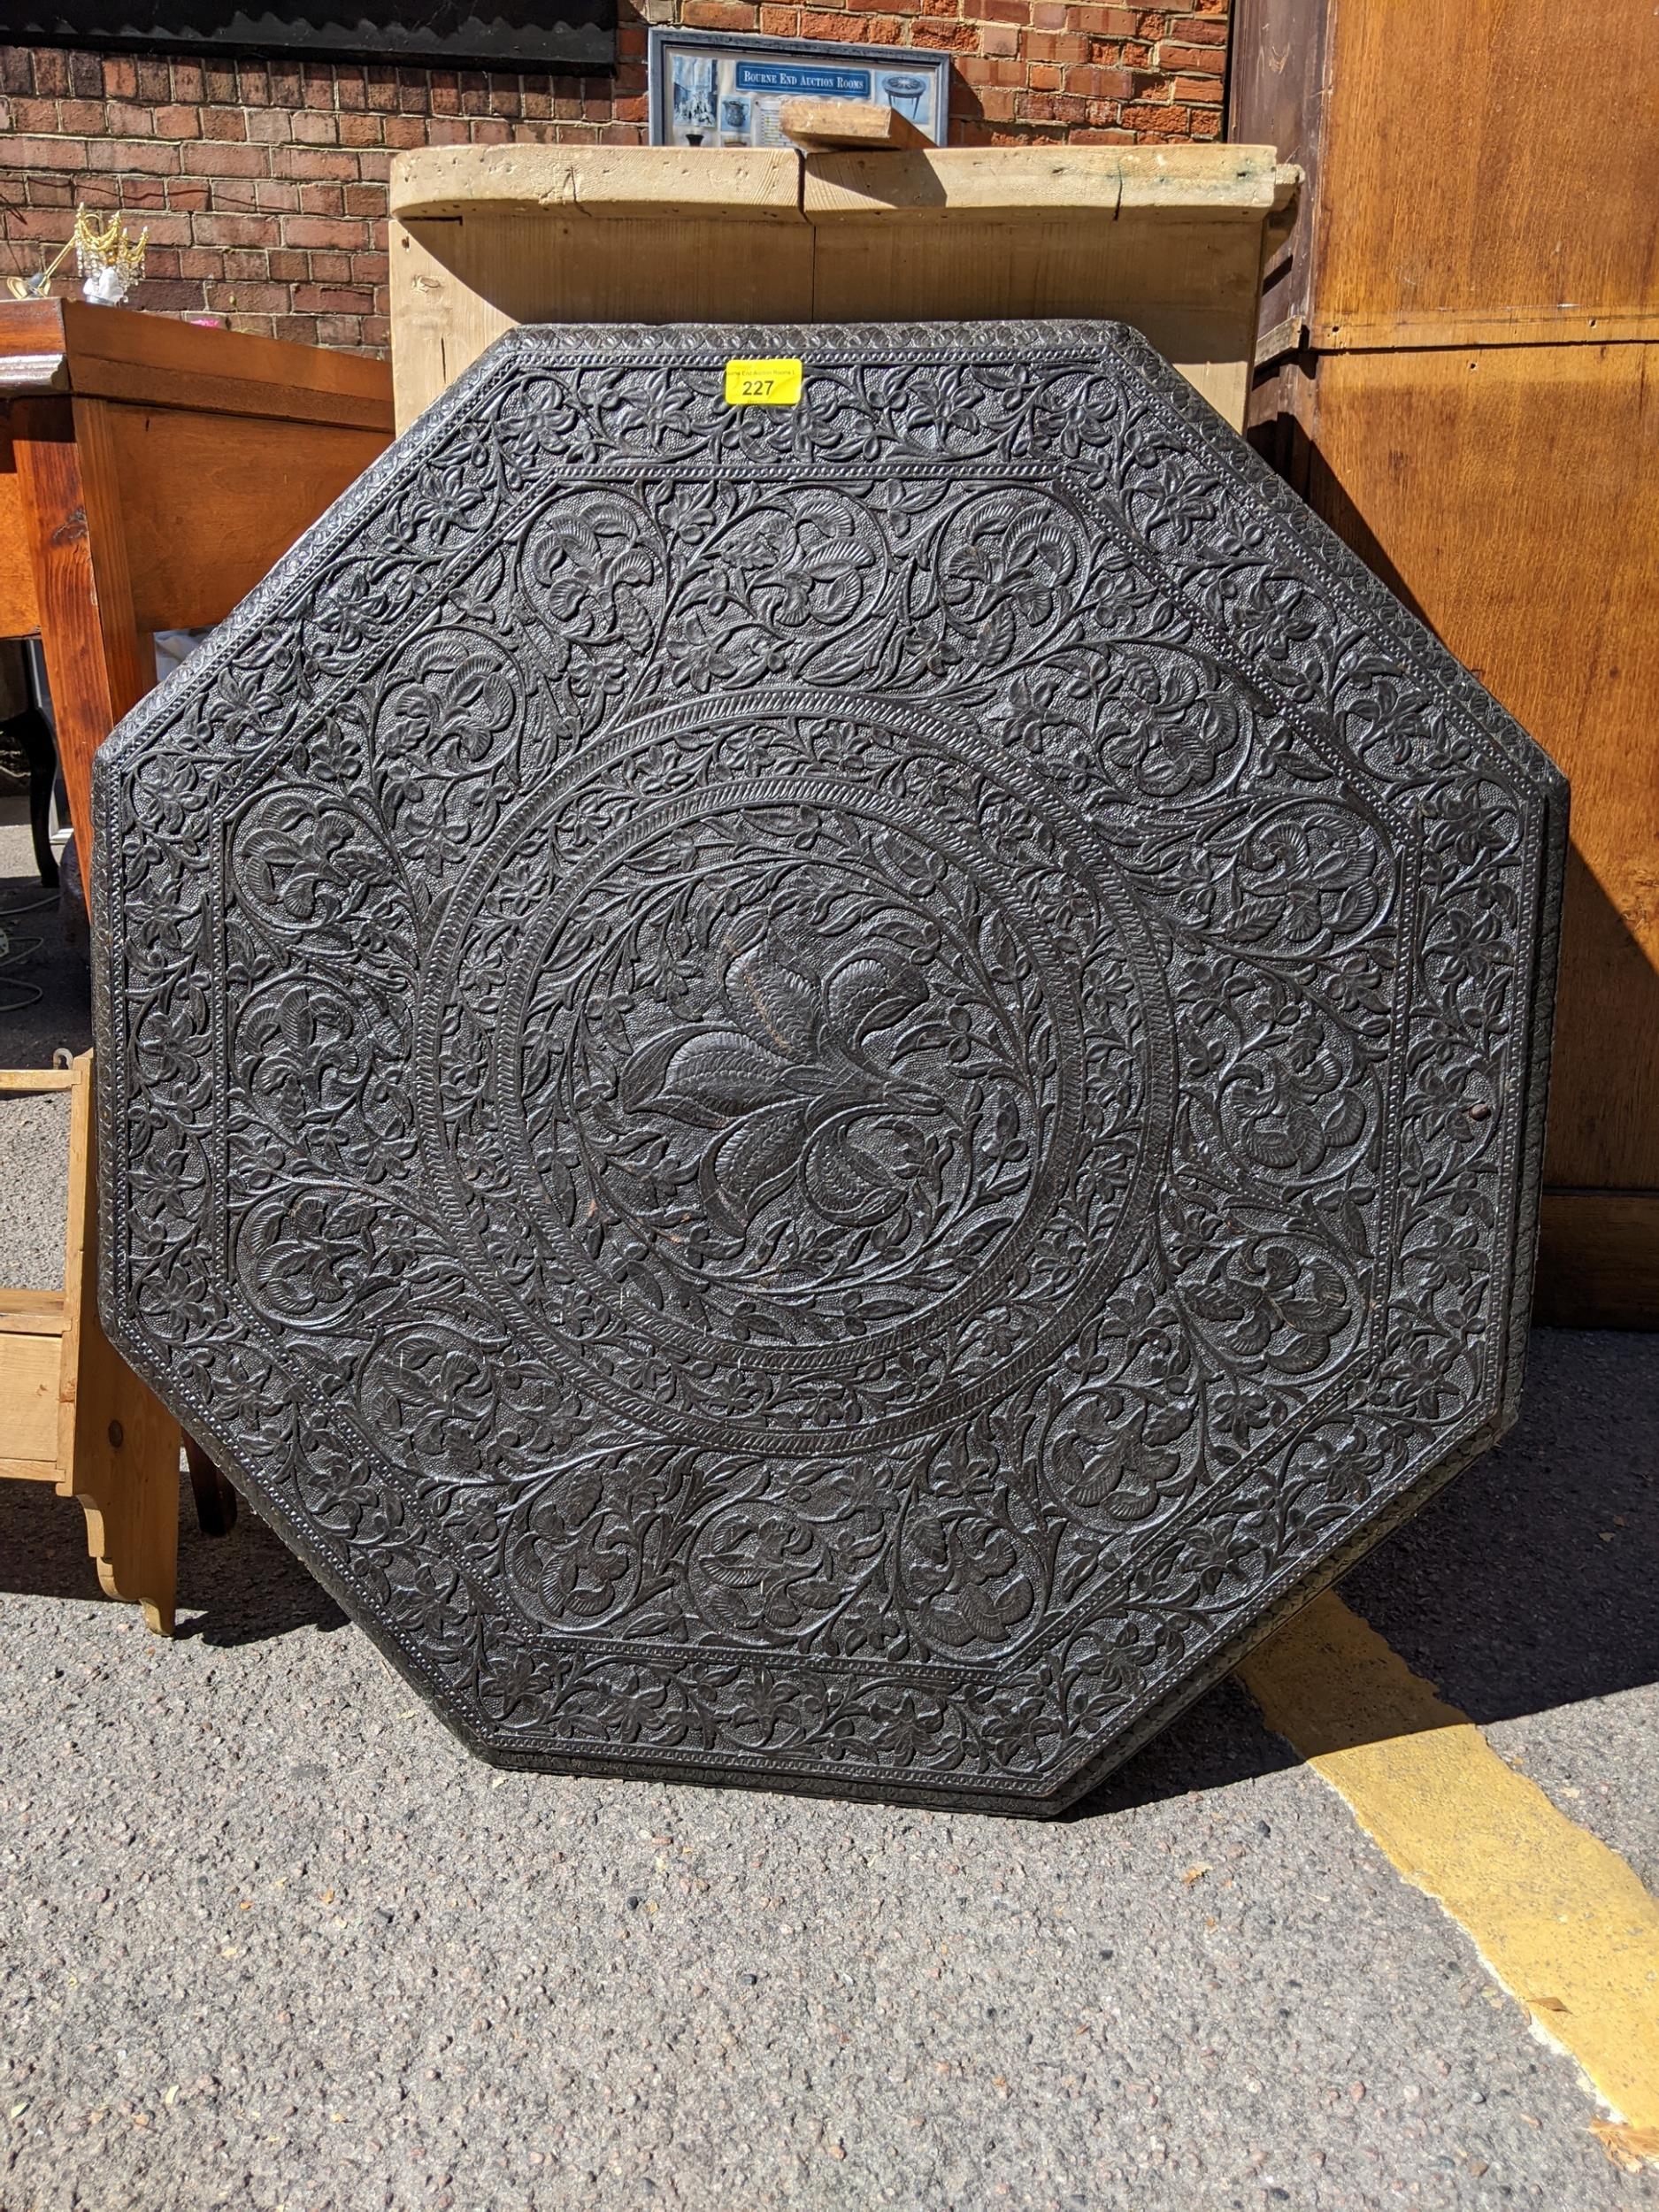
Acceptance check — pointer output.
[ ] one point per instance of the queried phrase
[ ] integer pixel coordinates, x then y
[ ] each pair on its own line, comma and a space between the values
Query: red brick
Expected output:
42, 153
998, 38
342, 332
956, 38
321, 199
231, 230
51, 74
400, 131
123, 157
140, 196
286, 267
1200, 30
1100, 84
164, 229
363, 130
226, 161
1204, 91
173, 295
317, 162
175, 122
1157, 122
38, 116
1208, 58
39, 225
1061, 46
311, 128
719, 15
333, 299
224, 125
317, 230
273, 298
120, 77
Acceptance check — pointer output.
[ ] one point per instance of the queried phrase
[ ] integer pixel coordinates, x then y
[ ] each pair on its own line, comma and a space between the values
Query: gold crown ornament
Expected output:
110, 261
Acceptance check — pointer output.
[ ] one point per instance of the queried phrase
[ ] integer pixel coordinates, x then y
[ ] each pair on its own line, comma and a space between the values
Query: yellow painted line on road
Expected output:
1559, 1920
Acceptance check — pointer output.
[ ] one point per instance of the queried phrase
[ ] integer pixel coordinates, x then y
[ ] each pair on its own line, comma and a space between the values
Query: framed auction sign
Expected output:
712, 88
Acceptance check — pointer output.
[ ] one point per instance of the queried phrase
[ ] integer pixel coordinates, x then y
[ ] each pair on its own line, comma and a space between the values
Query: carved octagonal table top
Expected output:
825, 1094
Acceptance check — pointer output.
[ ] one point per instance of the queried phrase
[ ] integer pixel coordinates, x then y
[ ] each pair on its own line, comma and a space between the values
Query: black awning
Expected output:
564, 36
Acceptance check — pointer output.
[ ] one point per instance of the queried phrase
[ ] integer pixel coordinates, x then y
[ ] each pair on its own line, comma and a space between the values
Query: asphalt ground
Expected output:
269, 1938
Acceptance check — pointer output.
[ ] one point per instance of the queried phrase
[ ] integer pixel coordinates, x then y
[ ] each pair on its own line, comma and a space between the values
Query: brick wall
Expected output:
264, 183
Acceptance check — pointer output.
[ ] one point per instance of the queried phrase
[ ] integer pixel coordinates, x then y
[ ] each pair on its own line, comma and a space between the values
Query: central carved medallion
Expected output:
785, 1106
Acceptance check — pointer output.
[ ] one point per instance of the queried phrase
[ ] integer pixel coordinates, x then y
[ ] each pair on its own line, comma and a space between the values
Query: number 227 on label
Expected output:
763, 383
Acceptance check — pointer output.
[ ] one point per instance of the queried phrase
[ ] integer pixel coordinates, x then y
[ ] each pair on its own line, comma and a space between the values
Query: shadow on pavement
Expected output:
1528, 1583
242, 1588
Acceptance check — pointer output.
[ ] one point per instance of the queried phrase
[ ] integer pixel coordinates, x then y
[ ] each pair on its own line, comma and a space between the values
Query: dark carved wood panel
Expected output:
822, 1097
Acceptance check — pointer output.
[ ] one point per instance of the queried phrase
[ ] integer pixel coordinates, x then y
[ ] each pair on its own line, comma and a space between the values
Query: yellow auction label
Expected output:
763, 383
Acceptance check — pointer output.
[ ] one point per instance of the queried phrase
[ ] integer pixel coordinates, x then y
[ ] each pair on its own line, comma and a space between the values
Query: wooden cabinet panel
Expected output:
1167, 238
1487, 166
210, 502
1504, 493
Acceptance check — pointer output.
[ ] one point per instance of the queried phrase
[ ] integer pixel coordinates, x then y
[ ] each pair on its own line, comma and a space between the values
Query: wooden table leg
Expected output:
99, 663
215, 1500
118, 1445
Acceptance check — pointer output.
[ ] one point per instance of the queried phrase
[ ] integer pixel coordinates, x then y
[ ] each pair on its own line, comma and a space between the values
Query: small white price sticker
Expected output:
763, 383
